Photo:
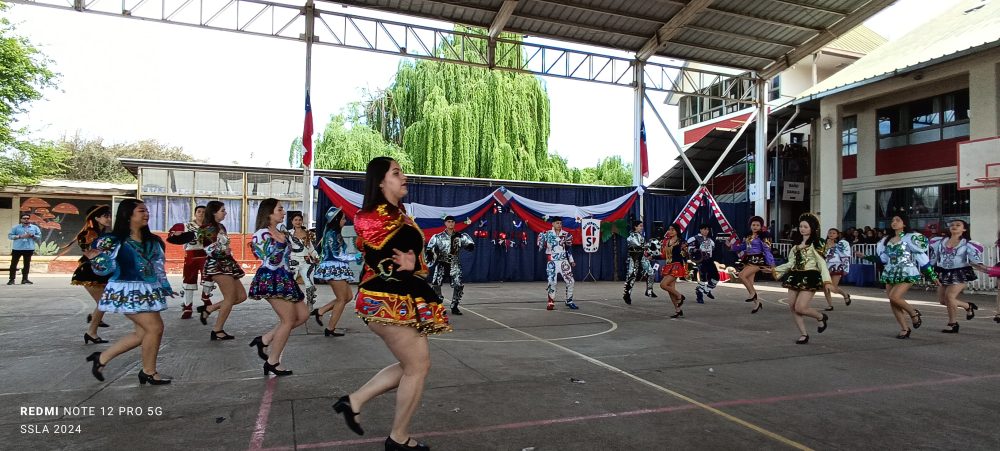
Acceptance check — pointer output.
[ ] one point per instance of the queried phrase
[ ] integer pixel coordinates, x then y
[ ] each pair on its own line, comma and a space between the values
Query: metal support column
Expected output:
308, 172
760, 152
639, 95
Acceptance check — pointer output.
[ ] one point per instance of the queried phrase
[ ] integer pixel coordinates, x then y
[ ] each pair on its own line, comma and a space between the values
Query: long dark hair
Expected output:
264, 211
677, 228
290, 216
374, 174
334, 223
92, 228
211, 209
889, 233
814, 239
122, 228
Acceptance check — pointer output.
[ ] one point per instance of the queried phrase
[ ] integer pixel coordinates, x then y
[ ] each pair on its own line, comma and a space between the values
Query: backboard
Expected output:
979, 163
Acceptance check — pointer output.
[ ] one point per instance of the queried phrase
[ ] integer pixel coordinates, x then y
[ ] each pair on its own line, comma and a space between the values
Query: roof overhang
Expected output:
763, 36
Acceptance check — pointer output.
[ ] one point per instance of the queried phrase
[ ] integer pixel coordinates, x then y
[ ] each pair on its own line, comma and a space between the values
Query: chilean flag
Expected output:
643, 154
307, 135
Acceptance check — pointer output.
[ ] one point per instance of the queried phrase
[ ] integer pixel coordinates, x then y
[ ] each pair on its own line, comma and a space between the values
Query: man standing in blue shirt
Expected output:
25, 237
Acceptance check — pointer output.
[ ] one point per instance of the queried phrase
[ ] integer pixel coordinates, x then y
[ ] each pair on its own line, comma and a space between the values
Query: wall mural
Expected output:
60, 220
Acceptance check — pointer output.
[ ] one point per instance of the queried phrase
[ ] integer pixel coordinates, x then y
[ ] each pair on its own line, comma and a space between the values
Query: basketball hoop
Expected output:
989, 182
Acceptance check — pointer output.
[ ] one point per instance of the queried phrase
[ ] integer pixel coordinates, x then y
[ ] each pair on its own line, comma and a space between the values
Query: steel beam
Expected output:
672, 28
500, 20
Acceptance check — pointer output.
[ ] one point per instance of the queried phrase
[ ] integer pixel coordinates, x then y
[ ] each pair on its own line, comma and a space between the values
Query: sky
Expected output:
237, 99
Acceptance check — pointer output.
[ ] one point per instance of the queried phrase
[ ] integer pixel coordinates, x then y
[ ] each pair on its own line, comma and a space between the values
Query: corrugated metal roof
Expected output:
775, 33
859, 40
971, 25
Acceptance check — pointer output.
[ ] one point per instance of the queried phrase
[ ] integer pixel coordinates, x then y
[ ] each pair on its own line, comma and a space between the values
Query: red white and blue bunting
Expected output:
428, 217
534, 213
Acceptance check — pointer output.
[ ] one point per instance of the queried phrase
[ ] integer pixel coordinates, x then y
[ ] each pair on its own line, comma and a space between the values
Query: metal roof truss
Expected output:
277, 20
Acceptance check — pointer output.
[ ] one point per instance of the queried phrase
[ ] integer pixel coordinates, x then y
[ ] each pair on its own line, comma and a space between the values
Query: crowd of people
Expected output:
399, 295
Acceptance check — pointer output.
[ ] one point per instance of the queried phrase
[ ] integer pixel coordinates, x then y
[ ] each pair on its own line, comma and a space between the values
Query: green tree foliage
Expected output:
24, 73
91, 159
457, 120
350, 147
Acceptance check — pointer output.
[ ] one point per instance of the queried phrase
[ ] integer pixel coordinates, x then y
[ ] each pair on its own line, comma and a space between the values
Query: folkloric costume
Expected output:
335, 260
84, 274
637, 264
387, 294
442, 253
702, 249
674, 258
194, 262
954, 265
755, 250
838, 258
806, 269
906, 260
303, 257
220, 261
274, 279
557, 253
138, 282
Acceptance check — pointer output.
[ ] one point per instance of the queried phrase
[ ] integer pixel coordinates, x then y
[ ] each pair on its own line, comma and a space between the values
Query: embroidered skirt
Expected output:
955, 276
403, 310
839, 269
332, 270
84, 275
677, 270
810, 280
900, 273
275, 283
134, 297
753, 259
225, 266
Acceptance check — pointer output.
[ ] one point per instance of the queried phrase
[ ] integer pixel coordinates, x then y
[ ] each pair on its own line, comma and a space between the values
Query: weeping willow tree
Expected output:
456, 120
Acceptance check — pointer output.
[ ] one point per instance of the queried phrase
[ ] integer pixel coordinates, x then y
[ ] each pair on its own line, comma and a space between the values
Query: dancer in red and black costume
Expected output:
190, 235
675, 256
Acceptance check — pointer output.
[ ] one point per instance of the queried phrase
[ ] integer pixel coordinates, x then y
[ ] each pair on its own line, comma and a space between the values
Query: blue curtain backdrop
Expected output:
522, 261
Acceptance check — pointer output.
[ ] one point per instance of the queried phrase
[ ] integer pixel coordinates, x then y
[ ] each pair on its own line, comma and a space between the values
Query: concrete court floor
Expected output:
514, 376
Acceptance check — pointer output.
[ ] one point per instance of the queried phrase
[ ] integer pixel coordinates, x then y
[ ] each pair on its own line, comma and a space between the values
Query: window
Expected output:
154, 180
181, 182
774, 92
849, 136
157, 212
850, 210
925, 120
928, 207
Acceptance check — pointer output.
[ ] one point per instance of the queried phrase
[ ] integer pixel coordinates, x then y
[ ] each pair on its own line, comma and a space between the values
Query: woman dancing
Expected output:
838, 262
221, 268
138, 287
675, 256
395, 300
755, 254
275, 282
96, 224
804, 273
334, 270
904, 254
304, 257
953, 259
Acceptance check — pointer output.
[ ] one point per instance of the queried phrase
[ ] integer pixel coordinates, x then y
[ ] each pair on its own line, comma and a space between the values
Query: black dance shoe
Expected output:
144, 378
96, 340
343, 406
96, 369
268, 368
391, 445
258, 341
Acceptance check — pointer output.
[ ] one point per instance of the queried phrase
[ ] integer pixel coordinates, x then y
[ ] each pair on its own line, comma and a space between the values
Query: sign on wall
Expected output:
795, 191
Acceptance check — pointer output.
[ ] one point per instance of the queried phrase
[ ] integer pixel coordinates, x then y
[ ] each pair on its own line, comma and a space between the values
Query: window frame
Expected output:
908, 136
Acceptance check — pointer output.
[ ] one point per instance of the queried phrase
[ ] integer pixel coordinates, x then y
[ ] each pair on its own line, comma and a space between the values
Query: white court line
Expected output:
854, 297
706, 407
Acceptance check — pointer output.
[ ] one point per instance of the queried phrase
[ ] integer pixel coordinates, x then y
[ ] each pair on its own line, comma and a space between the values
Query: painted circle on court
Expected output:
612, 328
